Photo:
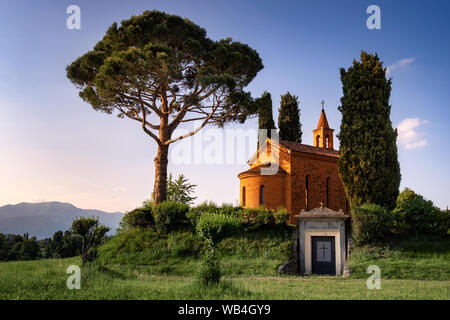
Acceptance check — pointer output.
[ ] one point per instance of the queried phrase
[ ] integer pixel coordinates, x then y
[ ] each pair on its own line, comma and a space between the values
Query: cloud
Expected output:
408, 136
399, 64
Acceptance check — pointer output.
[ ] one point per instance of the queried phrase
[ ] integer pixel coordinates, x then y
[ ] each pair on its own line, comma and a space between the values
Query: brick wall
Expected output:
288, 189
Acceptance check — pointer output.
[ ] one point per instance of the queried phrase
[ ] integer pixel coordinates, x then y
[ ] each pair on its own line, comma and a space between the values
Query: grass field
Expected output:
46, 279
142, 264
417, 259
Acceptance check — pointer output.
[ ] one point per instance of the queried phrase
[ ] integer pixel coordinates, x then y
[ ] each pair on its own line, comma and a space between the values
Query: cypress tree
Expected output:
289, 119
368, 164
265, 116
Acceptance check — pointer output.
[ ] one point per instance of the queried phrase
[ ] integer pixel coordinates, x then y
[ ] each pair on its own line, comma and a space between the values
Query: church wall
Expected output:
274, 190
318, 168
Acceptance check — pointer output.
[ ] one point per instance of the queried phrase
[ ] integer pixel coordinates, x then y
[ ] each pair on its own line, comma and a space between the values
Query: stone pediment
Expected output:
322, 212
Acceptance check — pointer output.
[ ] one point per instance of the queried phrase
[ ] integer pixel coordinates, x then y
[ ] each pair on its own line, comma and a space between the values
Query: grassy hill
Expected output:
260, 253
179, 253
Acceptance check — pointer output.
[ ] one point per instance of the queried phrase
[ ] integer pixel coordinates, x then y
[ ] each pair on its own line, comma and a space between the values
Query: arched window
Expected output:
243, 196
307, 192
262, 195
328, 186
317, 141
325, 142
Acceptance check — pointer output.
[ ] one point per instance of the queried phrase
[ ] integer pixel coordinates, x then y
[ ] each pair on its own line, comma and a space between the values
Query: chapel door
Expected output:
323, 255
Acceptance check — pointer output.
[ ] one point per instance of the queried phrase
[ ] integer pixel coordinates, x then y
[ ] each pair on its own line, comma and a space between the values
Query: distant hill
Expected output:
45, 218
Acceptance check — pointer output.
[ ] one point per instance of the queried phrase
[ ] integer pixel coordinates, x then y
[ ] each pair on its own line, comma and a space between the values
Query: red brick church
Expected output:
306, 176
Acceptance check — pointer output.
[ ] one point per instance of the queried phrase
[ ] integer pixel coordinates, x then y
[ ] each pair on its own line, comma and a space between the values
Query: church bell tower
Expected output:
323, 135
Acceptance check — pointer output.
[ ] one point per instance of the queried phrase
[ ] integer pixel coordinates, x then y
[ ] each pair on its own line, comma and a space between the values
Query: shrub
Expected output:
371, 223
281, 216
419, 216
261, 218
138, 218
92, 233
194, 213
210, 207
210, 272
171, 215
231, 210
214, 227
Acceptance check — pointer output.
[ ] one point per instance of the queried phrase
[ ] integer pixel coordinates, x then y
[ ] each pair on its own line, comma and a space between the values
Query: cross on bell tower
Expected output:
323, 134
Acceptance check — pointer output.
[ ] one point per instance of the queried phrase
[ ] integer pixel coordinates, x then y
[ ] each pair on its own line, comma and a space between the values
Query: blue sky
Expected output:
55, 147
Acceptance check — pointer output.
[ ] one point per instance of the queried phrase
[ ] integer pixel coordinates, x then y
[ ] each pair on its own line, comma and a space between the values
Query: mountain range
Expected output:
44, 219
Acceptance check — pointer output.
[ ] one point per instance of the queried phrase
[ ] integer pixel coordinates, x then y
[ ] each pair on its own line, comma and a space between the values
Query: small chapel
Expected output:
295, 176
303, 179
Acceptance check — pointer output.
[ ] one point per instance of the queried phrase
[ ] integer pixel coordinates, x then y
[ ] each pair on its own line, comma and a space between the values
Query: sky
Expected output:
55, 147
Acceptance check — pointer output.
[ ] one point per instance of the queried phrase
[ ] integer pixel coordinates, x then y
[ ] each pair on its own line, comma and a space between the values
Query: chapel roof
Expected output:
271, 166
294, 146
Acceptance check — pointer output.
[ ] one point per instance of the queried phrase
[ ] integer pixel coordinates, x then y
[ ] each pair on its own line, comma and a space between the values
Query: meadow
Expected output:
46, 279
146, 265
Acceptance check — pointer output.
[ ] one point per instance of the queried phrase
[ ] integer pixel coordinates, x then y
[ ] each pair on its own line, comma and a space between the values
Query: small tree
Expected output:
92, 235
213, 228
180, 190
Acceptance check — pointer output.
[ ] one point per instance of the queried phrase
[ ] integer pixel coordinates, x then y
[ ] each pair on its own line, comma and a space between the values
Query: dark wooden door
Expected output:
323, 255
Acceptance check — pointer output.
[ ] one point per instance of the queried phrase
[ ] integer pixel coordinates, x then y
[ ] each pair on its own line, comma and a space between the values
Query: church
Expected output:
306, 177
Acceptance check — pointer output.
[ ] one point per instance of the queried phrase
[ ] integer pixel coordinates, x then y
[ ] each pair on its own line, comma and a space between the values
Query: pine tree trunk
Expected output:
160, 187
162, 157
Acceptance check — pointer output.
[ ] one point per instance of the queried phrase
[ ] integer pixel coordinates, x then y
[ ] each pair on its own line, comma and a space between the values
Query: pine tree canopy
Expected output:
289, 119
368, 164
161, 71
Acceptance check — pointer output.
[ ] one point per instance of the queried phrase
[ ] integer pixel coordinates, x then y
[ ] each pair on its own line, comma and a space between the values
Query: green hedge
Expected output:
413, 217
371, 223
138, 218
251, 219
170, 216
418, 216
214, 227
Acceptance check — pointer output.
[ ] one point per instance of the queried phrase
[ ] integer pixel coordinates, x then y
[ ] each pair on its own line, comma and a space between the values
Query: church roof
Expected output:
323, 122
294, 146
271, 166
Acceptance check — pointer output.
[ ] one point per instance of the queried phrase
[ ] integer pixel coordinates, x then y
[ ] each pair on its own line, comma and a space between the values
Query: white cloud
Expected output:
399, 64
408, 136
